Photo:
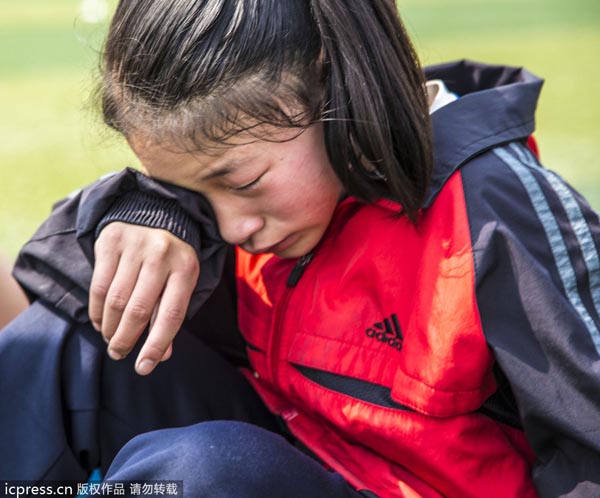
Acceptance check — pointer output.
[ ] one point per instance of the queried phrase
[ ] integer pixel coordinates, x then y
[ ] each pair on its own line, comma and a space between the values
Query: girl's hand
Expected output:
142, 276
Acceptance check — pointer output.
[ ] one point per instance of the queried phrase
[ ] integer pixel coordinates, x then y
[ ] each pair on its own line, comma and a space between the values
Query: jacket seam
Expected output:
66, 294
486, 137
53, 234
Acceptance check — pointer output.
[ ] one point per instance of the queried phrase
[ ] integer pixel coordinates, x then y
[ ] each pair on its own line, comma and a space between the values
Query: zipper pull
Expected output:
298, 269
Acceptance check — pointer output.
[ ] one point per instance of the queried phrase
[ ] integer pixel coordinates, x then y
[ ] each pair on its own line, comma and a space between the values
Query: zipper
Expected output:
298, 269
293, 279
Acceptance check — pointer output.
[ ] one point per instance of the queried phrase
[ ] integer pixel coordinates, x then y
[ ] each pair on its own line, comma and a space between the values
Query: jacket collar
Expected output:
496, 105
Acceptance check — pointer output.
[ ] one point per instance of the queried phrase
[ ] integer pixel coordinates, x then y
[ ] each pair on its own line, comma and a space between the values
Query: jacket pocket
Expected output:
362, 390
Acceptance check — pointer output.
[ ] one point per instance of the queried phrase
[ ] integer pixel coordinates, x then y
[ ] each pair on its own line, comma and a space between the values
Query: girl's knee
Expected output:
219, 456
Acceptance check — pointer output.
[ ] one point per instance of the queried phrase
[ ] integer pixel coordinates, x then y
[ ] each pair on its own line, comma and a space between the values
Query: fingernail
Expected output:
97, 326
114, 355
144, 367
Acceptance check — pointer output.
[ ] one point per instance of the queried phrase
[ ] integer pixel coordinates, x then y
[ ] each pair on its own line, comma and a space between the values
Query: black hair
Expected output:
202, 71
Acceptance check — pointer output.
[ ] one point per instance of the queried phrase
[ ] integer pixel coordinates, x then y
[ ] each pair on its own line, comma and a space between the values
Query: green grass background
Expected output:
52, 140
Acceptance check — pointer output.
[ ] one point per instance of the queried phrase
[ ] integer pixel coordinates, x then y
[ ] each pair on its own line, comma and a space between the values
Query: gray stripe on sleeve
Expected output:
555, 239
577, 221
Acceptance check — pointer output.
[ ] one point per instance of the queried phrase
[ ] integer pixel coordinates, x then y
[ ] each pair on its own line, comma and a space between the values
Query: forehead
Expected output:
158, 156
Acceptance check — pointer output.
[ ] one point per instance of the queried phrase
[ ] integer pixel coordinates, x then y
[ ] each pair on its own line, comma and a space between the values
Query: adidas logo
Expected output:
388, 332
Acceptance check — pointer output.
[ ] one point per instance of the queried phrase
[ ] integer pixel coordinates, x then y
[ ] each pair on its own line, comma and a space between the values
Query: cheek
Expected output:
323, 190
285, 204
309, 198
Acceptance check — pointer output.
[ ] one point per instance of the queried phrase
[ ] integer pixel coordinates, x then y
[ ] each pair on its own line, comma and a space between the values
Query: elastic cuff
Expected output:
139, 208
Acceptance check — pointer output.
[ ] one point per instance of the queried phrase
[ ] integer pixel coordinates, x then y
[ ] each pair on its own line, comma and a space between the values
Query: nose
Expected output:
237, 227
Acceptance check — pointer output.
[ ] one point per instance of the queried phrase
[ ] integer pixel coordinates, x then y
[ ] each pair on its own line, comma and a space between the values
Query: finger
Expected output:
139, 309
170, 317
119, 294
154, 313
168, 354
105, 269
169, 351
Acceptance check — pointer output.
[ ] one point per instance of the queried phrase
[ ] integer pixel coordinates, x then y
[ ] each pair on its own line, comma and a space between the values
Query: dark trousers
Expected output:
66, 408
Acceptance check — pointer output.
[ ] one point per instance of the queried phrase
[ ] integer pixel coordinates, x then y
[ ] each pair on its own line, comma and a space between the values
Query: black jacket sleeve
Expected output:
56, 264
536, 246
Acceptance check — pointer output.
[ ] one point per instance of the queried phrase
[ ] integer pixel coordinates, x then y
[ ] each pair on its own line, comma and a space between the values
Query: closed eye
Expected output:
248, 186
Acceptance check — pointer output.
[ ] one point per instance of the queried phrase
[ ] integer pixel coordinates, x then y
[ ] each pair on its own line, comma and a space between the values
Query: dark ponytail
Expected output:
376, 115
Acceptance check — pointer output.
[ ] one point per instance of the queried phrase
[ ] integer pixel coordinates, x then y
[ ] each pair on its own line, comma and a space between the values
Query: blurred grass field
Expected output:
52, 140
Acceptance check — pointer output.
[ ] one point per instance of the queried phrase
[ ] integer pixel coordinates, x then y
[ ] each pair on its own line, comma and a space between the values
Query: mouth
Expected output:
281, 246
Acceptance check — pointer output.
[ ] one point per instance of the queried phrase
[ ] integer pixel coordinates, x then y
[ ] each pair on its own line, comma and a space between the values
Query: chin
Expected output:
288, 254
297, 250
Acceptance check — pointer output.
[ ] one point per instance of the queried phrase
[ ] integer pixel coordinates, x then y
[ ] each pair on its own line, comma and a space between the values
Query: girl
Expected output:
418, 298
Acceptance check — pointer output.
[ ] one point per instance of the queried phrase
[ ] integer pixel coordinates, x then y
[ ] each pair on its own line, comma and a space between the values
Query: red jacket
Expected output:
458, 358
376, 358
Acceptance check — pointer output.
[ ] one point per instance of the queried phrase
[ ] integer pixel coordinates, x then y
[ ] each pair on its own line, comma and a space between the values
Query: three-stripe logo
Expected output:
388, 331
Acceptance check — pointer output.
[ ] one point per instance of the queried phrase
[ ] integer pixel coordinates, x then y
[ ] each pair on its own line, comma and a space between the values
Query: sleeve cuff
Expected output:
140, 208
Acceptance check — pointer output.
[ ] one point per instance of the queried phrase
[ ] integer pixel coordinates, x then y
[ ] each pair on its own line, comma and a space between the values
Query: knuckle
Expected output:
139, 311
111, 235
121, 347
189, 263
174, 314
117, 303
155, 350
99, 290
160, 248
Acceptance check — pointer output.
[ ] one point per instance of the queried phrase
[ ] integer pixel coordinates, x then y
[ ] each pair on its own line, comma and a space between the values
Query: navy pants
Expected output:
225, 459
67, 408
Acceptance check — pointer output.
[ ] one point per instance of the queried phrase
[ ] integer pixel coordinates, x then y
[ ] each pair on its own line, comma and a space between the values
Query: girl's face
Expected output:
269, 196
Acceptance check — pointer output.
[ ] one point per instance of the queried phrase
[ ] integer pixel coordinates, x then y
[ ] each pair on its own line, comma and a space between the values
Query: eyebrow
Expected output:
222, 171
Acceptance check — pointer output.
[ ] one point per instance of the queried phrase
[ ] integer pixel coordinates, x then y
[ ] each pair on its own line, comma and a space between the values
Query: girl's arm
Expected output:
147, 262
56, 265
536, 247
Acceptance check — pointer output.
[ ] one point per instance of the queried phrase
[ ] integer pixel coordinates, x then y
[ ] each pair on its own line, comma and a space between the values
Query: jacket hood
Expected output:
496, 105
